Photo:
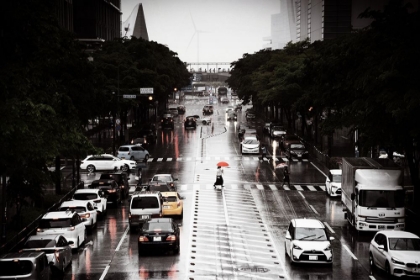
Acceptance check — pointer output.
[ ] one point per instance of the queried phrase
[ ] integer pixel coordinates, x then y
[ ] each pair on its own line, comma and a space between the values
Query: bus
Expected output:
222, 92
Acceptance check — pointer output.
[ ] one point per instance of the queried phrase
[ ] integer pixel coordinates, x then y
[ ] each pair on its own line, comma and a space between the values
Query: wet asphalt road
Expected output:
237, 233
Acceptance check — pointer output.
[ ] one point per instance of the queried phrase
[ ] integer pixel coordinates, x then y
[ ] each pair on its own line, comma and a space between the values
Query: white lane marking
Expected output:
273, 187
150, 160
328, 226
348, 250
104, 273
196, 187
284, 159
179, 159
122, 239
159, 159
311, 188
301, 194
260, 187
298, 187
286, 188
313, 209
169, 159
371, 277
256, 158
319, 170
322, 187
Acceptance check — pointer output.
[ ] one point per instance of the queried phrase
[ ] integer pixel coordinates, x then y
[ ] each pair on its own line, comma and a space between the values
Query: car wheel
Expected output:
371, 261
124, 168
146, 157
90, 168
176, 251
182, 214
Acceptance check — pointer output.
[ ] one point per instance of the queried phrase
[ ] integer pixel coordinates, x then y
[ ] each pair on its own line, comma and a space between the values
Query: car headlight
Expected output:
397, 261
296, 247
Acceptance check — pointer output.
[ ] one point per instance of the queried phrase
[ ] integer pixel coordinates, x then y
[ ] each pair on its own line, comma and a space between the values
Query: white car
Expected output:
333, 182
95, 196
229, 108
107, 162
250, 145
84, 208
67, 223
396, 252
307, 241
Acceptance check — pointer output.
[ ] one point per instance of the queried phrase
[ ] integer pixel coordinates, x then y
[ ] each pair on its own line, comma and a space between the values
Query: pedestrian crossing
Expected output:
272, 187
233, 158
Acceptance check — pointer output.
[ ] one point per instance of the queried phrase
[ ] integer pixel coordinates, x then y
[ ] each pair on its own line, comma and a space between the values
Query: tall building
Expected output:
135, 25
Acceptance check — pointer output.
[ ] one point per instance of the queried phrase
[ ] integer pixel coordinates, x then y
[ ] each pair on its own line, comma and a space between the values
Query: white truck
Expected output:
373, 194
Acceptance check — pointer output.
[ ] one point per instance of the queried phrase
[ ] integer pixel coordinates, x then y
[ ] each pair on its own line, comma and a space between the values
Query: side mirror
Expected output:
381, 247
288, 236
352, 196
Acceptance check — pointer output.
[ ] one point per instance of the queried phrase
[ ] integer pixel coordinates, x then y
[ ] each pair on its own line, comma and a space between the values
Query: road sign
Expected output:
146, 90
129, 96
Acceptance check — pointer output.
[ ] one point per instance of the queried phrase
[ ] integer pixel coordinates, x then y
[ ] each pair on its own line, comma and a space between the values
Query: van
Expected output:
144, 205
24, 265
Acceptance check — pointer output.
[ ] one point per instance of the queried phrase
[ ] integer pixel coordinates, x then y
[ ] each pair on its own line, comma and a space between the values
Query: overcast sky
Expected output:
229, 28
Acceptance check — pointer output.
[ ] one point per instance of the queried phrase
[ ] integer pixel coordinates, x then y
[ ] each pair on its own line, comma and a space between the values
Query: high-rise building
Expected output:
135, 25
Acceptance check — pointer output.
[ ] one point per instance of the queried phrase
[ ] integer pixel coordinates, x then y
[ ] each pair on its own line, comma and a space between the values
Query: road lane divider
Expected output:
348, 250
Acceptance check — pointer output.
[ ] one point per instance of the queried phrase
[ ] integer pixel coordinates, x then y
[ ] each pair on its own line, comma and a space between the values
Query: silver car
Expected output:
56, 247
133, 152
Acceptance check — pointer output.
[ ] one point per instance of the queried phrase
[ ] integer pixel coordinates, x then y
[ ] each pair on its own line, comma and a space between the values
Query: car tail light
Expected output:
112, 191
171, 238
178, 204
87, 215
71, 228
57, 255
39, 230
143, 239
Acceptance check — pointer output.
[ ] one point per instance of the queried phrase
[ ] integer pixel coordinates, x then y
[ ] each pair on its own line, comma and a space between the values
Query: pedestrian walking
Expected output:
219, 177
286, 175
263, 151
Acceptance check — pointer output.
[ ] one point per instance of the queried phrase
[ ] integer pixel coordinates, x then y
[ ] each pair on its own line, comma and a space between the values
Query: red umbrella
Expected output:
223, 164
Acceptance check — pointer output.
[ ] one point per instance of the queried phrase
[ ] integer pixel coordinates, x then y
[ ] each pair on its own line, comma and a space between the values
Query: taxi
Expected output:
172, 204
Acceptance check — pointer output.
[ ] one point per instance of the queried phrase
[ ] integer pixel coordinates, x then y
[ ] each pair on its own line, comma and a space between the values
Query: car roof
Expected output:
74, 203
308, 223
336, 171
398, 233
146, 193
169, 194
162, 174
58, 215
87, 191
43, 237
250, 138
160, 220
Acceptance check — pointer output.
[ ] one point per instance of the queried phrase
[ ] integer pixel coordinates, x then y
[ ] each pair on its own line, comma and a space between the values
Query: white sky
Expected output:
229, 28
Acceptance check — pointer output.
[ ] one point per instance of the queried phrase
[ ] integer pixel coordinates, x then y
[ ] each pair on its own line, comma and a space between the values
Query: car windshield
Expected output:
157, 227
310, 234
85, 196
336, 178
251, 141
404, 244
44, 243
381, 199
55, 223
144, 202
163, 178
124, 149
77, 209
171, 199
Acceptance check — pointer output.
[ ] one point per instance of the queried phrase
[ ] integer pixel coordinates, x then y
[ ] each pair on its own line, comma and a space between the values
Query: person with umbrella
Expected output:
219, 175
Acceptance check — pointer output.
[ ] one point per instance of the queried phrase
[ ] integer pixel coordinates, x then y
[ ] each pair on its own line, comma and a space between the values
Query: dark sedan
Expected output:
159, 233
110, 188
190, 122
121, 179
296, 150
288, 138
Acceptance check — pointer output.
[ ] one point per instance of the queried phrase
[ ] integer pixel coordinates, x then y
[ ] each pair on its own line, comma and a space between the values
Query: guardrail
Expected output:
18, 240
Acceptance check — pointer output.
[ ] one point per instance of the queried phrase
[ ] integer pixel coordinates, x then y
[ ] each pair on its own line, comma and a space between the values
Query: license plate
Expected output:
157, 238
381, 227
166, 207
144, 217
313, 258
299, 155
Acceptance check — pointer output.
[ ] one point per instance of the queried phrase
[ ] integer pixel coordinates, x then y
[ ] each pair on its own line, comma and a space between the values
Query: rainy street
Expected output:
234, 233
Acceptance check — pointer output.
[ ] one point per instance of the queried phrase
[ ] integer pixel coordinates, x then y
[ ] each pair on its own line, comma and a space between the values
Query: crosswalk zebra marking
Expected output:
298, 187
